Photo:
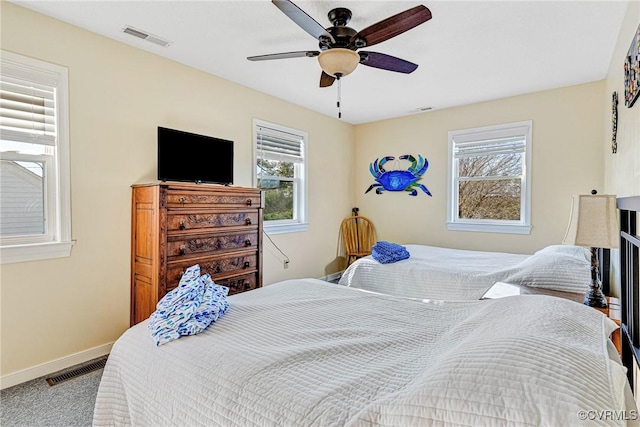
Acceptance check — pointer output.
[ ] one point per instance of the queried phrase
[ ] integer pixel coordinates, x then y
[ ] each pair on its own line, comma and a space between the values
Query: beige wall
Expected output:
118, 97
566, 159
622, 170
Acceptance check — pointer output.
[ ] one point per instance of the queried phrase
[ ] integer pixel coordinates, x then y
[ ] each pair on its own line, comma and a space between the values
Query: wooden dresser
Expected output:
177, 225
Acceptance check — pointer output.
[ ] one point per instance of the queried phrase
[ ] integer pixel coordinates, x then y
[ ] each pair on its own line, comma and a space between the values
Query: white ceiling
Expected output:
470, 51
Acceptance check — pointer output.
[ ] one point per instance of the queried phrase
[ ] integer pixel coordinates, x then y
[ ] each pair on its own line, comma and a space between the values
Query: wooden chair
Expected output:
358, 234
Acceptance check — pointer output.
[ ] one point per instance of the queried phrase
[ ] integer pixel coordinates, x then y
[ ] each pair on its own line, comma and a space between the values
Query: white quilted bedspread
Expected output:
452, 274
309, 353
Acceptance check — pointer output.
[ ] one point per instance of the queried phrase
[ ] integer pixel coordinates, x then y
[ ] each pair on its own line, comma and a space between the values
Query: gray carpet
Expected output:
36, 403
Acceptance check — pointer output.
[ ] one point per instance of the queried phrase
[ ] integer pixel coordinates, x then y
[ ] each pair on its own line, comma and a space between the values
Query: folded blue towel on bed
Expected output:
188, 309
386, 252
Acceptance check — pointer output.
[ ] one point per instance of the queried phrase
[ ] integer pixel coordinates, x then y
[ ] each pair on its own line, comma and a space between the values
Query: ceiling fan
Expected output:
338, 44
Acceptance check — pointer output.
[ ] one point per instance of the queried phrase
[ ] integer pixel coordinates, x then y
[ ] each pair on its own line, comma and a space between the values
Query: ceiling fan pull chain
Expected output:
339, 95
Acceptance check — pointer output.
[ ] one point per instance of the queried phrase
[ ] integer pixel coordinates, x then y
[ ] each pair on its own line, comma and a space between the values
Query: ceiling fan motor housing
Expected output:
342, 37
342, 34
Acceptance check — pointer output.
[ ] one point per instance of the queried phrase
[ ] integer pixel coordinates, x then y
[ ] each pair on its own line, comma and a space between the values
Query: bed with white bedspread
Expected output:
310, 353
453, 274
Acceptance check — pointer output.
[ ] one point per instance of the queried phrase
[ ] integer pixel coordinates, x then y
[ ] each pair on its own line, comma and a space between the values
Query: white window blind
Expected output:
27, 110
273, 144
490, 147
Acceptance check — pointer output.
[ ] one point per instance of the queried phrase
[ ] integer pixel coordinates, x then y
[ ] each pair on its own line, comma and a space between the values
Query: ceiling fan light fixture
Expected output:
338, 61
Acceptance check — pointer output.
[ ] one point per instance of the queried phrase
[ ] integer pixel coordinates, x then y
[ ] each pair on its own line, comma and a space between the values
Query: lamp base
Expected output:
595, 298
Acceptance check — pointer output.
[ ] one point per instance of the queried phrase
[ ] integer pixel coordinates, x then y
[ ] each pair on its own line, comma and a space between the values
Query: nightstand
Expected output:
501, 290
613, 313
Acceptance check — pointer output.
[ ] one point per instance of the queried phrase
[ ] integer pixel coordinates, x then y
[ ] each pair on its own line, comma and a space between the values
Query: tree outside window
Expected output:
487, 188
275, 178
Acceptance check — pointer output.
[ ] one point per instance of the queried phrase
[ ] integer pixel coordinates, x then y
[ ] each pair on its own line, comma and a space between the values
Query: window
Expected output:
34, 160
280, 173
489, 186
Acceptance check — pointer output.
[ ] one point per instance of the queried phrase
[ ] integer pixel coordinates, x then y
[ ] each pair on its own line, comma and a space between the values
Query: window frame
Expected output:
487, 133
300, 222
56, 242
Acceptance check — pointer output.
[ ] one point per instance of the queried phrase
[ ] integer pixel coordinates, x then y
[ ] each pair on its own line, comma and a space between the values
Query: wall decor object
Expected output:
399, 180
632, 71
614, 121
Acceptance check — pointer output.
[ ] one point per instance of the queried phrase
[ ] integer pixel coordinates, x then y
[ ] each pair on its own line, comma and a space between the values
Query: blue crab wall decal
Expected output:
399, 180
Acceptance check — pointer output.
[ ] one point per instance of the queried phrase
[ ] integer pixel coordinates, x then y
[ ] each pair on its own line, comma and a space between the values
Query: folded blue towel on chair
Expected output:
386, 252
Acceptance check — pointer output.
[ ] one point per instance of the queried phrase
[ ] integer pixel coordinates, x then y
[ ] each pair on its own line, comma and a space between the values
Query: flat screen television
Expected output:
184, 156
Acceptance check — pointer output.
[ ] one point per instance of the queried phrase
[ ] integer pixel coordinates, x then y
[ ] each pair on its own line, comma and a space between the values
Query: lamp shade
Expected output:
338, 61
593, 222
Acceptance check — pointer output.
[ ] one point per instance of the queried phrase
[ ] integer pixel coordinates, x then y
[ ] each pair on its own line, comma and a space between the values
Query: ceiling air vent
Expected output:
421, 109
146, 36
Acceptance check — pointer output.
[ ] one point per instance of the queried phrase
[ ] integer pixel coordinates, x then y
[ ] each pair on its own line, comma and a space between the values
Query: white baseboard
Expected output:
331, 277
53, 366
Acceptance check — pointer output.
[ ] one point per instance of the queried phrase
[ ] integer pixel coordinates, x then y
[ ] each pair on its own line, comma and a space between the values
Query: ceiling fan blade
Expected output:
285, 55
387, 62
303, 20
326, 80
394, 25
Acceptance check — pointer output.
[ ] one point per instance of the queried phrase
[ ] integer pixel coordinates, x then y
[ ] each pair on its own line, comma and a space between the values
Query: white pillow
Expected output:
559, 267
569, 250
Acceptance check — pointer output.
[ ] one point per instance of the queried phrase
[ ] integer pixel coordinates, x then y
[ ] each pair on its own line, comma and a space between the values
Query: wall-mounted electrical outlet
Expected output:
286, 264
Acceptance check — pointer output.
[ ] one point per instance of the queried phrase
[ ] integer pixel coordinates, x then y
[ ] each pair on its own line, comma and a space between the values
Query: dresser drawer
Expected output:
235, 284
218, 266
178, 246
201, 220
186, 199
239, 284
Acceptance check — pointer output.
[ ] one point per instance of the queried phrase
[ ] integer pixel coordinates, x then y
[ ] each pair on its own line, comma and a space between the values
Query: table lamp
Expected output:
593, 223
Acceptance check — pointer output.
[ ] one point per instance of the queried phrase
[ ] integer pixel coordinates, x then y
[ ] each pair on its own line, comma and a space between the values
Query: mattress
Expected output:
452, 274
310, 353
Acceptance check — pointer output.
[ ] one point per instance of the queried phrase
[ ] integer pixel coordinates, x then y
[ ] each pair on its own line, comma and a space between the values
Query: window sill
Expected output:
285, 228
35, 252
490, 228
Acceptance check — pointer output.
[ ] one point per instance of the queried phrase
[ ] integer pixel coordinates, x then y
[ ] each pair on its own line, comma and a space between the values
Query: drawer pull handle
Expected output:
247, 286
247, 242
247, 221
183, 250
247, 264
182, 225
217, 269
249, 202
182, 200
